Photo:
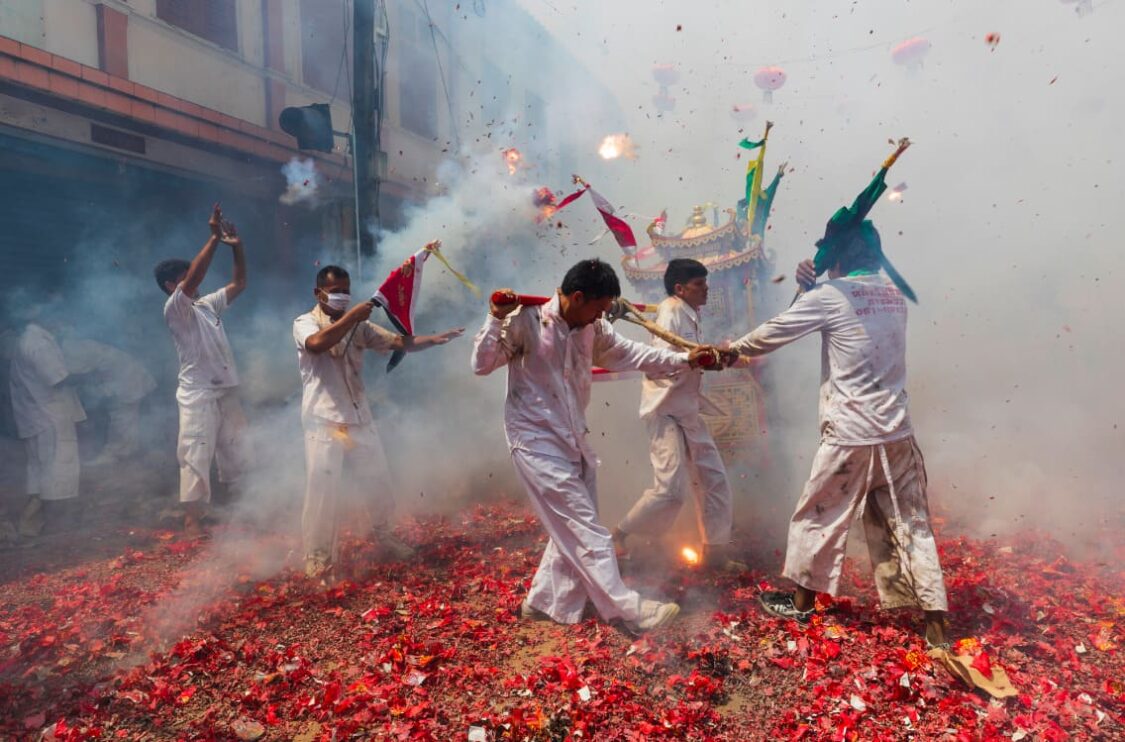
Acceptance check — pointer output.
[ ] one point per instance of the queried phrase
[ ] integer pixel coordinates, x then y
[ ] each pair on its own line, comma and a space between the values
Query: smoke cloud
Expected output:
1008, 232
302, 180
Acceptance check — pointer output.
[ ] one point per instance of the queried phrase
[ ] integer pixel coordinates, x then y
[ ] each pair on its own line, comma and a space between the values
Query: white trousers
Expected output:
684, 456
212, 429
123, 435
339, 458
579, 562
887, 484
53, 467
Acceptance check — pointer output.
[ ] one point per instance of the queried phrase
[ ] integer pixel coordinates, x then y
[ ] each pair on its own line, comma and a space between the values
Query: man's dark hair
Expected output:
328, 272
595, 279
682, 270
861, 251
169, 270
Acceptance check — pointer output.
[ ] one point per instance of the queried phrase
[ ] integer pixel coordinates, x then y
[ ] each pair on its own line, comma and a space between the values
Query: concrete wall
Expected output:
467, 59
71, 29
164, 59
23, 21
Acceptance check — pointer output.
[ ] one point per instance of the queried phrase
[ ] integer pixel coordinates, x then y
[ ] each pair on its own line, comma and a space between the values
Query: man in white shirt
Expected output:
683, 453
46, 409
212, 423
868, 460
549, 351
122, 381
339, 431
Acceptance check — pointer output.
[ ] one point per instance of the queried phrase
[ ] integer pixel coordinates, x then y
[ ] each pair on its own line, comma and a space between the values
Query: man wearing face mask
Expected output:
549, 351
339, 431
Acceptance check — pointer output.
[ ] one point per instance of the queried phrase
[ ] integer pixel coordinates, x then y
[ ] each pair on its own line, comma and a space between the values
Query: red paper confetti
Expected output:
434, 648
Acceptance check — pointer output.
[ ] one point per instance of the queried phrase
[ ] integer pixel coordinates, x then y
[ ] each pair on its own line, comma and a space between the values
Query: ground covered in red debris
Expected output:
162, 638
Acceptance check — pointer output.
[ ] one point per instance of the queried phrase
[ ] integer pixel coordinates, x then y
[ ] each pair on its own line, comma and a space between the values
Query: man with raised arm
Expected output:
212, 423
549, 351
868, 461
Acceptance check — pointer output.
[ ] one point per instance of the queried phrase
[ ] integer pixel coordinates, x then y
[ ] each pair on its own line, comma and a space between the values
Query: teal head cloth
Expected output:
844, 226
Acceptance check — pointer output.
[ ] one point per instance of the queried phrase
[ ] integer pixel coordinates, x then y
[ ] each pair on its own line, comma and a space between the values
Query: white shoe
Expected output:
655, 615
530, 613
317, 565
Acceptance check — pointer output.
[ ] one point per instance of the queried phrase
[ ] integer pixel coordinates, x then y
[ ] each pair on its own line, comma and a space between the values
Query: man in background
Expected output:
683, 453
46, 408
212, 423
112, 375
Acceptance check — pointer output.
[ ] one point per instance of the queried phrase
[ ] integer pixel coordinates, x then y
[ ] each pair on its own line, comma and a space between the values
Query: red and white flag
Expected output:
398, 296
621, 231
399, 293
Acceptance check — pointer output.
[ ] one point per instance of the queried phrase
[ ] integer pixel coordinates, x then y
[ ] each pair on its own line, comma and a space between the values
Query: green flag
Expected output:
754, 174
765, 203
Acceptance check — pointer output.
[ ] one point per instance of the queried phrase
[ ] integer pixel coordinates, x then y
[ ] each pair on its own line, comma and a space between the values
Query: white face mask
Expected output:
337, 302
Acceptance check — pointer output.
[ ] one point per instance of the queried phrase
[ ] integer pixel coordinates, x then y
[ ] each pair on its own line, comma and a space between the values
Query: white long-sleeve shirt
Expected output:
675, 394
549, 374
862, 323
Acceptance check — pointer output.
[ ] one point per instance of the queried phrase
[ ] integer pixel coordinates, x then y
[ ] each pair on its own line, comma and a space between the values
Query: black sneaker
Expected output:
781, 605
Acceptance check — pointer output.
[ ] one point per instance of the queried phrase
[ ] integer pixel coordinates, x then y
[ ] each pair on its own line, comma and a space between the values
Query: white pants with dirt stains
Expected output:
53, 467
339, 458
212, 429
684, 456
579, 562
887, 484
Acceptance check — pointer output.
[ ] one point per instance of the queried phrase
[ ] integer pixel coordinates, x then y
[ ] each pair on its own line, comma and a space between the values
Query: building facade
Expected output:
122, 122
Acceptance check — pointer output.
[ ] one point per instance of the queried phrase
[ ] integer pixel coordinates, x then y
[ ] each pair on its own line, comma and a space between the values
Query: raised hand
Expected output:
216, 220
806, 274
229, 234
503, 309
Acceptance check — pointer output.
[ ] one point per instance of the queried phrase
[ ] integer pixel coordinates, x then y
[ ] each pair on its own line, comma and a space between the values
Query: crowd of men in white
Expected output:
868, 461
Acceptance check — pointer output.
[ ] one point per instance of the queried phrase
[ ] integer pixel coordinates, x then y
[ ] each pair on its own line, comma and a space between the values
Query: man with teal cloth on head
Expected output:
868, 461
